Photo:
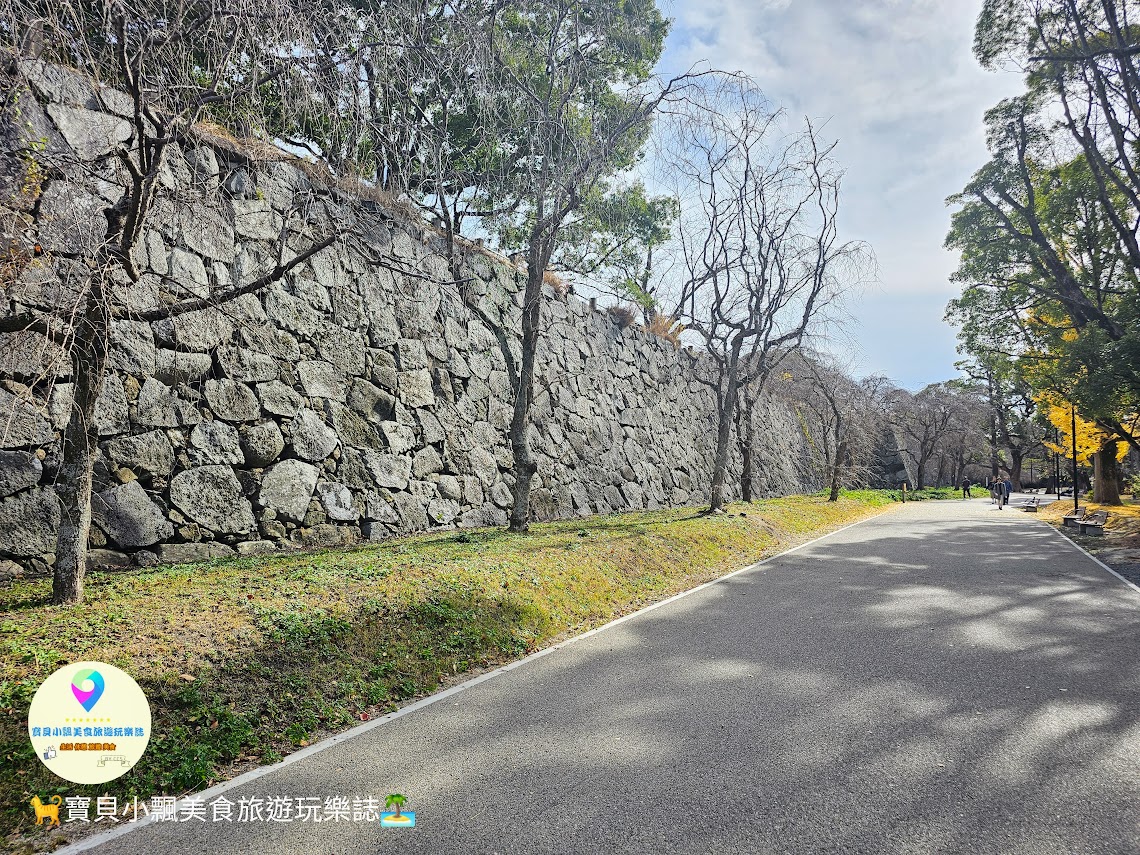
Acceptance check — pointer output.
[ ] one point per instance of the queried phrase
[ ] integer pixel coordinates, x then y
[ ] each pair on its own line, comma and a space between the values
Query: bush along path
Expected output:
245, 660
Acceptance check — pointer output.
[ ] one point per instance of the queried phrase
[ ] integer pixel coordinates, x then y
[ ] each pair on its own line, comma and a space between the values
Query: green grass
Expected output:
926, 493
244, 660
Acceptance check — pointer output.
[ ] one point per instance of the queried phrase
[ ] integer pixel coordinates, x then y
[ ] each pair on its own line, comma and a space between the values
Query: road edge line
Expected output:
360, 729
1135, 588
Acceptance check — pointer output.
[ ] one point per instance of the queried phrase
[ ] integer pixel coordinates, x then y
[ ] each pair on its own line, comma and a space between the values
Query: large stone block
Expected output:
279, 399
215, 442
351, 427
337, 502
159, 406
293, 314
188, 269
450, 487
255, 219
401, 438
245, 365
379, 506
483, 466
233, 402
190, 553
411, 354
212, 497
132, 348
343, 348
311, 438
28, 523
206, 232
149, 452
426, 462
364, 469
414, 388
442, 511
22, 424
32, 357
129, 517
69, 220
412, 511
172, 367
199, 331
287, 488
262, 444
431, 429
61, 85
18, 471
268, 340
320, 379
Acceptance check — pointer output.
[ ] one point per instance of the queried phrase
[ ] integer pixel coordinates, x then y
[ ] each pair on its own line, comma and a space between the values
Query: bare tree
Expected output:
759, 238
843, 416
939, 427
154, 70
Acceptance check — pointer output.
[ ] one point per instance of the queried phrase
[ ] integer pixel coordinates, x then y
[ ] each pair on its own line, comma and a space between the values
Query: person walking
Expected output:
1006, 489
965, 488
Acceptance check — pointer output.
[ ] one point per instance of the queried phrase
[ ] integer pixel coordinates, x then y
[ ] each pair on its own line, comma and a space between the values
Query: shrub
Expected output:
623, 315
667, 328
556, 282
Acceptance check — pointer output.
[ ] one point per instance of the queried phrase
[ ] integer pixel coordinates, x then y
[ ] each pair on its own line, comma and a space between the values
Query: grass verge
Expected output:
928, 493
245, 660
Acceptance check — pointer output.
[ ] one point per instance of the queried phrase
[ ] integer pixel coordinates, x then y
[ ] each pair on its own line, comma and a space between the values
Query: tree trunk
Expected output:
840, 457
525, 465
1106, 475
920, 474
1016, 455
744, 441
80, 442
993, 443
727, 403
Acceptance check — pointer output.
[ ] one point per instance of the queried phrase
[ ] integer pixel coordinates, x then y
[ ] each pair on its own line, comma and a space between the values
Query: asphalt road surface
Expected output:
944, 678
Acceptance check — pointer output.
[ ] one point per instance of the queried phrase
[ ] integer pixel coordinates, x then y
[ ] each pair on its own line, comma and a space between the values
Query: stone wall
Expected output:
356, 399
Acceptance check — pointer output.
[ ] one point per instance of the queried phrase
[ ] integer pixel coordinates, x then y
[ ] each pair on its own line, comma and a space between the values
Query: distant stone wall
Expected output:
354, 400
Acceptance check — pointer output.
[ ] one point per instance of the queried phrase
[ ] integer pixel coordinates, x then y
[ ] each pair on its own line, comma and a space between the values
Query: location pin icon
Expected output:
87, 697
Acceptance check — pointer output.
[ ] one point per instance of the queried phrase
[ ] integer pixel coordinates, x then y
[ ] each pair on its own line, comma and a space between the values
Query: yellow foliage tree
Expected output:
1091, 438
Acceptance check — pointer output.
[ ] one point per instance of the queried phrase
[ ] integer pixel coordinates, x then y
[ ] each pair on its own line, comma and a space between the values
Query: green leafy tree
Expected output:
1046, 279
1051, 237
577, 76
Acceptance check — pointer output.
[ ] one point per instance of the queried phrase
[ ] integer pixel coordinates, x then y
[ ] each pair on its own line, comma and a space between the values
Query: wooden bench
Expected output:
1071, 520
1031, 505
1093, 523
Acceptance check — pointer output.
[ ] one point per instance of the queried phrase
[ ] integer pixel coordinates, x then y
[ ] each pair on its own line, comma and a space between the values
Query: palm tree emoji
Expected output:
395, 800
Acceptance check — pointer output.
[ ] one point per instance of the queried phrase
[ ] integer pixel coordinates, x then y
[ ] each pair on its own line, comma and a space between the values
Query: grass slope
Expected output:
244, 660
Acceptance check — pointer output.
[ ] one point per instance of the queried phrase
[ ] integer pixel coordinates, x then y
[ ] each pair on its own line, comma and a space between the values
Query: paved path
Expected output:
945, 678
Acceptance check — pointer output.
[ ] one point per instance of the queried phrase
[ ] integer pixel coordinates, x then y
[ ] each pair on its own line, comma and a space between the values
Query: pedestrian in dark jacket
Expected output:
965, 488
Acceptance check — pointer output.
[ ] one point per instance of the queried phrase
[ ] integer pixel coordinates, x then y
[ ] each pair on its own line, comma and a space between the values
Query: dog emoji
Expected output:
49, 812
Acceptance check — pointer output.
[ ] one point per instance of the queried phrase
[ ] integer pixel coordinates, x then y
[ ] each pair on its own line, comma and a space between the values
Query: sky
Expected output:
900, 90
